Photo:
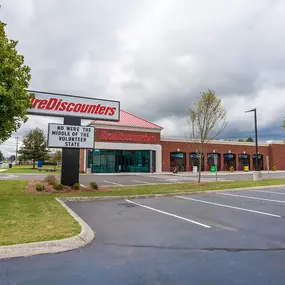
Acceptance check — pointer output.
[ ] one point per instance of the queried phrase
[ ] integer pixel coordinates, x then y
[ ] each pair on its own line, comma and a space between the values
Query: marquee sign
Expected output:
51, 104
70, 136
120, 136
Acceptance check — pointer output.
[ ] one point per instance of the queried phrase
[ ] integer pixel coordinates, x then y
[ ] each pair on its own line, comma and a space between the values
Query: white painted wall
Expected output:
132, 146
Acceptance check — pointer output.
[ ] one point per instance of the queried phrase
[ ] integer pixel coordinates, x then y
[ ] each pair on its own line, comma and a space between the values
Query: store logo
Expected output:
86, 108
60, 105
119, 136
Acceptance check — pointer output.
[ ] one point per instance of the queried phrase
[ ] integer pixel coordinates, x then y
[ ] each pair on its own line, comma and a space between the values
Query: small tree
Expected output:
34, 146
14, 78
12, 158
55, 157
207, 119
250, 139
58, 156
1, 156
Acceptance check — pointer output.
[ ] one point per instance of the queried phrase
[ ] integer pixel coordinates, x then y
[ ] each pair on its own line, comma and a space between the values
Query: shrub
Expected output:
58, 186
40, 187
94, 185
51, 180
76, 186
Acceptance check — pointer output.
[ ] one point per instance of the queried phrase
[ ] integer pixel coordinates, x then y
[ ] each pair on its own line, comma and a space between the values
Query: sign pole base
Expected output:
70, 158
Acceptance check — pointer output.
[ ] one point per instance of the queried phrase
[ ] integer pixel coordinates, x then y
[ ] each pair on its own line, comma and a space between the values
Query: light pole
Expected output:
256, 139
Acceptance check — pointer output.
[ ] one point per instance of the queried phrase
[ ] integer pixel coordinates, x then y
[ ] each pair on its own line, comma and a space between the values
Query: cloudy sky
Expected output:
157, 56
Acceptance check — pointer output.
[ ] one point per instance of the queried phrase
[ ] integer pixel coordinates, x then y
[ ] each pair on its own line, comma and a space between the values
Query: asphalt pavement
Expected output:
229, 237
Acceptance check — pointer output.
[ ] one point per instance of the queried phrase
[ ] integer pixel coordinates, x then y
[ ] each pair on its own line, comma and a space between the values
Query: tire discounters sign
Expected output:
51, 104
69, 136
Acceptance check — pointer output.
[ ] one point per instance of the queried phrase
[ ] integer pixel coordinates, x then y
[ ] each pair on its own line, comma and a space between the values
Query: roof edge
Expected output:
159, 127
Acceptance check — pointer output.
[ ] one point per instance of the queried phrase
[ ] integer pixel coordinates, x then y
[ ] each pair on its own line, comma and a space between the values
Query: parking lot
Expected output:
226, 237
135, 179
147, 178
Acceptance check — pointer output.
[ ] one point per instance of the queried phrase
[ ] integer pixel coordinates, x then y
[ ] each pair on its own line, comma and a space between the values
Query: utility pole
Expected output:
17, 150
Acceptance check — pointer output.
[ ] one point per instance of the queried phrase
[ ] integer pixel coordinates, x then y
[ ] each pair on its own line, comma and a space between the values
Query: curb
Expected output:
46, 247
106, 198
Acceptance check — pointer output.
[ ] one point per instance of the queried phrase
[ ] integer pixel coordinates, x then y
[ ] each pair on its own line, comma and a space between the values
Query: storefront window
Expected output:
194, 161
211, 160
259, 161
178, 159
229, 161
110, 161
244, 162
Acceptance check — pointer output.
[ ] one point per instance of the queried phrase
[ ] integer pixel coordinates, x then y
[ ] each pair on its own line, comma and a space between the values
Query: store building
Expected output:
136, 145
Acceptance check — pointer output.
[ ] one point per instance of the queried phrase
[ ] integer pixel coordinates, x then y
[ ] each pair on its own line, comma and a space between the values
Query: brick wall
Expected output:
170, 146
81, 160
277, 156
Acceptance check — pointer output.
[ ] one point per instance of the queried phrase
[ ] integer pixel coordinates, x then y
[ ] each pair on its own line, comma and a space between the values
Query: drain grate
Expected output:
127, 205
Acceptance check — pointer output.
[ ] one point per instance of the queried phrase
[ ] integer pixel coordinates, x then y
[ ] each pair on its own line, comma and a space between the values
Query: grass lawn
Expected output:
27, 218
29, 169
38, 217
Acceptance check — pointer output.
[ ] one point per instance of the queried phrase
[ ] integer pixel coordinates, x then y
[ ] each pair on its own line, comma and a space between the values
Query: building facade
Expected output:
135, 145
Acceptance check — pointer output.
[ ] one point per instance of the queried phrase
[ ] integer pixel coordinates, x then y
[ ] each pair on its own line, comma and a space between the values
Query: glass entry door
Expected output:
108, 161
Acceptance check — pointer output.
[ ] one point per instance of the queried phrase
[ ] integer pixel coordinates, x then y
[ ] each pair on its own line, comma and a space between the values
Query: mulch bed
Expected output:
31, 188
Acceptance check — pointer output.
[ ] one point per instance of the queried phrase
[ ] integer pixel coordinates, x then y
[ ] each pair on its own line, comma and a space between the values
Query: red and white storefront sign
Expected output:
49, 104
121, 136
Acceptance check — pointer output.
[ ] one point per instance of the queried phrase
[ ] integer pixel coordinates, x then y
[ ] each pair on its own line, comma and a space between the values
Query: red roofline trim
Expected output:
143, 119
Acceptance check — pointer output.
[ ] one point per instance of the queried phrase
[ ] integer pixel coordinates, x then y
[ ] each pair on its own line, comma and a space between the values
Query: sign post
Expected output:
70, 158
71, 136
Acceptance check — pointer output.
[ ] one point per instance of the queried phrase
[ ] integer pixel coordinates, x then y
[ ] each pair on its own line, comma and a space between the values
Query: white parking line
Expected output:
169, 214
113, 183
140, 181
250, 197
268, 192
231, 207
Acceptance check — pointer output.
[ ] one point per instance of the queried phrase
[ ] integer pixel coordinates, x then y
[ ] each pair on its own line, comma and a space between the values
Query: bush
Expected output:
40, 187
51, 180
58, 186
94, 185
76, 186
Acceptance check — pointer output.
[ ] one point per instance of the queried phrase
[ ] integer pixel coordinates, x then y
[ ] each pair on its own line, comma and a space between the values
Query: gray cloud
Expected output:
156, 57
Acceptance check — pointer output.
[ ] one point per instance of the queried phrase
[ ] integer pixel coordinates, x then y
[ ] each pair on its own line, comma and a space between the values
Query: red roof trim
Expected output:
129, 120
144, 120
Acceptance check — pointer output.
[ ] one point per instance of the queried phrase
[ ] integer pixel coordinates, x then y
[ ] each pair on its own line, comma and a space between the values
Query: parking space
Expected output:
141, 179
243, 219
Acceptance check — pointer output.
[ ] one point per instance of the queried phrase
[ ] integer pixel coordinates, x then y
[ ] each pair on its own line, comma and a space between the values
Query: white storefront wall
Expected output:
132, 146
